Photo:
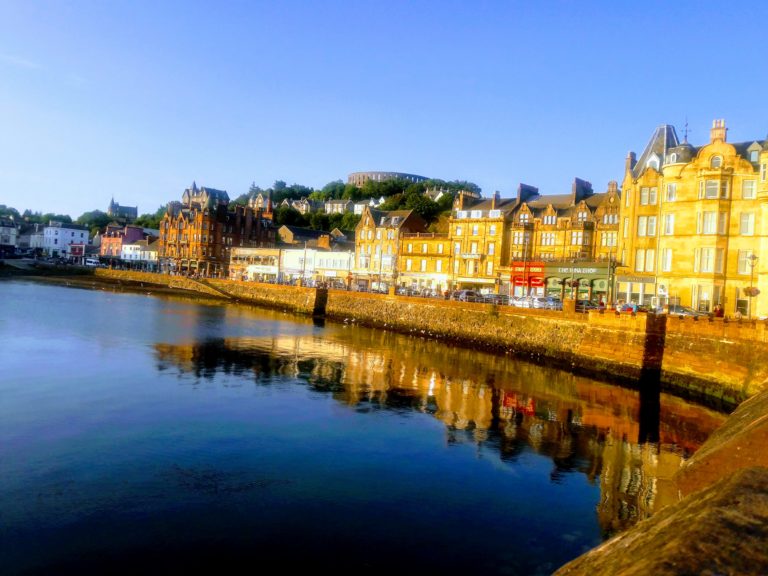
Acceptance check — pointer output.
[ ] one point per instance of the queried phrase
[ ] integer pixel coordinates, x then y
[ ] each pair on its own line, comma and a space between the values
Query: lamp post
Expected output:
752, 259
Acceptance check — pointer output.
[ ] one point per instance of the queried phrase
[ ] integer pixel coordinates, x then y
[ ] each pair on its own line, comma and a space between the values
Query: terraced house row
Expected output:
687, 227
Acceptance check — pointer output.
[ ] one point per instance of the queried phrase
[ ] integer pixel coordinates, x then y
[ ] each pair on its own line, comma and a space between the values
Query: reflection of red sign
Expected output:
518, 403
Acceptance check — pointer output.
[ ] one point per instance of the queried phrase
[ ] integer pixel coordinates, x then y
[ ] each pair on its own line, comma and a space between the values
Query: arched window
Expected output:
716, 162
653, 163
673, 158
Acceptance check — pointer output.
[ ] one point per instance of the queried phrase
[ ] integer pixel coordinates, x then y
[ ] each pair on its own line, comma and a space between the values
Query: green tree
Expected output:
94, 220
8, 211
151, 220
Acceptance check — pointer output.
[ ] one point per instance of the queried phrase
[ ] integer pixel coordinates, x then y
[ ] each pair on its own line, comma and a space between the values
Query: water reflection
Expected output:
629, 442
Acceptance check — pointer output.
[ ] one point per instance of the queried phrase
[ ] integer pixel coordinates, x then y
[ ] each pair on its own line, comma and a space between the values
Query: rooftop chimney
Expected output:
718, 131
630, 162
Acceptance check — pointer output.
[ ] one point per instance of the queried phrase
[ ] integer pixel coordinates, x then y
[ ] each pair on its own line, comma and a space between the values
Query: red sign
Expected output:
528, 274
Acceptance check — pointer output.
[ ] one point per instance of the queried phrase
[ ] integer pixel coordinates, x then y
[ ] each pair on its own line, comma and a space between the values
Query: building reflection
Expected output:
498, 403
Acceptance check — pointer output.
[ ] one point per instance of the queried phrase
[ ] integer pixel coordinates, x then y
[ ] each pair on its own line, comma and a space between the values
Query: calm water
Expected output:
146, 435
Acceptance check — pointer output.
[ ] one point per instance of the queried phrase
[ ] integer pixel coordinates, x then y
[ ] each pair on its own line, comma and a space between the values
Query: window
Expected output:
763, 169
748, 189
476, 214
491, 249
671, 192
753, 156
492, 230
440, 248
716, 162
378, 234
627, 197
747, 224
647, 196
524, 216
669, 224
581, 216
666, 260
423, 265
744, 266
408, 264
672, 158
548, 239
610, 219
494, 213
456, 266
626, 228
475, 230
489, 268
706, 223
550, 219
424, 248
458, 230
410, 248
708, 260
639, 260
608, 239
577, 238
519, 237
473, 248
462, 214
722, 223
646, 225
439, 266
724, 189
709, 189
457, 248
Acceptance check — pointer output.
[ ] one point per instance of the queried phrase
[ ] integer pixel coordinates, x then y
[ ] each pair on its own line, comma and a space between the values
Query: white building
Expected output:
296, 264
58, 236
140, 254
334, 268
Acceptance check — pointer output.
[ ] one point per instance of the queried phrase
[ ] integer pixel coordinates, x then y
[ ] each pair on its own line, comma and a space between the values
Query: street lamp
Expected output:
752, 260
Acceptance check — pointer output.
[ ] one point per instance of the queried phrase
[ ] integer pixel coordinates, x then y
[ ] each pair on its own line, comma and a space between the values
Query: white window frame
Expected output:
747, 224
748, 189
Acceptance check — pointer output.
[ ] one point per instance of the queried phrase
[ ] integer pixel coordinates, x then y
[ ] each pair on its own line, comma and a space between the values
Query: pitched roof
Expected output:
664, 138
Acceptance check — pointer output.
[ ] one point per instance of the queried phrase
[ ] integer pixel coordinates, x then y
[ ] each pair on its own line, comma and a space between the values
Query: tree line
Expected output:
398, 195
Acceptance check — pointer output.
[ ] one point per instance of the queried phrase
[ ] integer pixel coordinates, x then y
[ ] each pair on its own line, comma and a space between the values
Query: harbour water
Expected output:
147, 435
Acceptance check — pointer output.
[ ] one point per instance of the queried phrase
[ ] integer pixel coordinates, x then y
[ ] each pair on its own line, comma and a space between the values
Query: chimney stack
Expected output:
630, 162
718, 131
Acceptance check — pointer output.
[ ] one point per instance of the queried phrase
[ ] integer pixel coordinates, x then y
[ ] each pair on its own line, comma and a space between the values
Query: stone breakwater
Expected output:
712, 359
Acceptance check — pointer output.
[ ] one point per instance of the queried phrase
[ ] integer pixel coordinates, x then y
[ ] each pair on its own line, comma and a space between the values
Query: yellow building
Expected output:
424, 261
477, 232
694, 222
377, 239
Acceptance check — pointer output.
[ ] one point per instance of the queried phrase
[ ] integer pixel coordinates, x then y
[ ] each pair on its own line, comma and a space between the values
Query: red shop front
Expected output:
527, 278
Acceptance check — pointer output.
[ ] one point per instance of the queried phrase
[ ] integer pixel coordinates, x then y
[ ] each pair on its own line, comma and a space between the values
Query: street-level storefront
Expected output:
641, 290
579, 280
528, 279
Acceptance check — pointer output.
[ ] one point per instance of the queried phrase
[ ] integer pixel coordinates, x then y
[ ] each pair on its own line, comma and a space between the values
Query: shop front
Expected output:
528, 279
578, 281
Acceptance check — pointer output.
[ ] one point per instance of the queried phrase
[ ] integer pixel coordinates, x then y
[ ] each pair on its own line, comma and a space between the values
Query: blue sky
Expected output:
136, 99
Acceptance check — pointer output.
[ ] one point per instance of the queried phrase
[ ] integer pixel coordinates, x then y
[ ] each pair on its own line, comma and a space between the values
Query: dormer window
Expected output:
753, 155
716, 162
673, 158
524, 217
653, 163
581, 216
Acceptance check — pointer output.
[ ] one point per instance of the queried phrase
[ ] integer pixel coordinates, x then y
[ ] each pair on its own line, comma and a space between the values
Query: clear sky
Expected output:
136, 99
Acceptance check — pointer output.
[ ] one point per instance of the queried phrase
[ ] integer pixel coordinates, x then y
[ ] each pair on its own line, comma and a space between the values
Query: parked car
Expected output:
495, 298
546, 303
585, 305
466, 296
678, 310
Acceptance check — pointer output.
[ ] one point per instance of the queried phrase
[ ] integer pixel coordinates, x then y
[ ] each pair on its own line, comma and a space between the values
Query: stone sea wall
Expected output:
713, 358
